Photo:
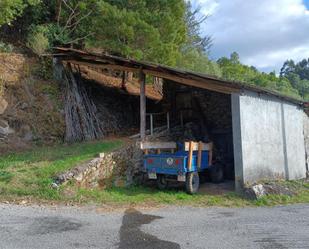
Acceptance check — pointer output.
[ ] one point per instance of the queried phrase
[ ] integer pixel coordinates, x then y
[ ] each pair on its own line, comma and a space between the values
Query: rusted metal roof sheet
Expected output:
181, 76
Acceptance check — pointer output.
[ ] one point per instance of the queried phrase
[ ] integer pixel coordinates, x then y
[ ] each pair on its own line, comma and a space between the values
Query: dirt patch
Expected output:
217, 189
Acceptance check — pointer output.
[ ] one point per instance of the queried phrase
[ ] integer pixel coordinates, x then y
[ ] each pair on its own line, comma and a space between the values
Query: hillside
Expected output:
30, 106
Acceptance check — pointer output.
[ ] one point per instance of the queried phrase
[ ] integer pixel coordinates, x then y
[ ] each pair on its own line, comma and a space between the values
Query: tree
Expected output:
193, 52
147, 30
297, 74
10, 9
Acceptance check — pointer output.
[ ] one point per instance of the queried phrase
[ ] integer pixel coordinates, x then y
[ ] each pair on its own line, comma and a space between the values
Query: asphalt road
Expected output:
168, 228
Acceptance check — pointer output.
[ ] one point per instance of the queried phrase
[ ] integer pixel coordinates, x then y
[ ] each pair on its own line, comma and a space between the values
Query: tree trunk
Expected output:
58, 10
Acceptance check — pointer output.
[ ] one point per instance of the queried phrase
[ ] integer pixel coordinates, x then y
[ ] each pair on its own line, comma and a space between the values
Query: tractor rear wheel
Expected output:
217, 173
192, 182
162, 182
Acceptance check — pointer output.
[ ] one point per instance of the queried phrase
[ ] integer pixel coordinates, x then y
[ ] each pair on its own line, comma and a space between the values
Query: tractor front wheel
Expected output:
192, 182
162, 182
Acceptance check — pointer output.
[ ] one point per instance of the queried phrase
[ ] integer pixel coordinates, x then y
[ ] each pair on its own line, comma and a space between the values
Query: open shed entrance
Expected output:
199, 104
201, 115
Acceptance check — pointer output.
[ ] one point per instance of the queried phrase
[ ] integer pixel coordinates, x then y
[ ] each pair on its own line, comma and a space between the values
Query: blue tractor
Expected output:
182, 163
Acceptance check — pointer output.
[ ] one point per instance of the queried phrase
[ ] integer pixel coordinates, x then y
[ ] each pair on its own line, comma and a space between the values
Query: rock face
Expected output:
30, 106
257, 191
118, 168
5, 129
3, 105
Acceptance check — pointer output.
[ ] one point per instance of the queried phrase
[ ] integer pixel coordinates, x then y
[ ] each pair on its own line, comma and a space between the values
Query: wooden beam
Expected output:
142, 82
195, 146
208, 84
158, 145
102, 65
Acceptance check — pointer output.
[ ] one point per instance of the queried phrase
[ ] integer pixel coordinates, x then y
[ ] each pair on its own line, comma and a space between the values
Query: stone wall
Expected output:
116, 168
211, 110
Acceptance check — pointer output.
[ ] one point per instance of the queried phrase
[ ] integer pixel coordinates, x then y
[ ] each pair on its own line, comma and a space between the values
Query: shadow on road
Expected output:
131, 235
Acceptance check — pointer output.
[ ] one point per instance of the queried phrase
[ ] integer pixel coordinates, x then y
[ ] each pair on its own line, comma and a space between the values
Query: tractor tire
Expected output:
162, 182
192, 183
217, 173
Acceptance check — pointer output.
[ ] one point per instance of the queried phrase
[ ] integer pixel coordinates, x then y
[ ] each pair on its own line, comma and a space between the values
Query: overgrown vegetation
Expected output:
29, 175
5, 47
166, 32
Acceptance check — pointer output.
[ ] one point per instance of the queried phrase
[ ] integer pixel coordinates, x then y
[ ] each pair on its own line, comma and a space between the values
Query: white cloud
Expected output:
265, 33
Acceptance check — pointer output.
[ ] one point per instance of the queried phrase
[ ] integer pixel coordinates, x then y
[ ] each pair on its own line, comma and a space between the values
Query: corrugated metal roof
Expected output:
177, 75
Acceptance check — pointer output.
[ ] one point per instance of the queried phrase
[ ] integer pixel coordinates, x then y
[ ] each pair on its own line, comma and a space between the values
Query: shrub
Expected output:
6, 48
38, 41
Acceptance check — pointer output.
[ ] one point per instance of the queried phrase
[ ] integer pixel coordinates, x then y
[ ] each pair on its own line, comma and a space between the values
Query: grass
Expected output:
29, 175
148, 196
139, 195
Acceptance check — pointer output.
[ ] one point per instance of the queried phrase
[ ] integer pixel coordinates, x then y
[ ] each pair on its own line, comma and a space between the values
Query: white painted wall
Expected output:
268, 138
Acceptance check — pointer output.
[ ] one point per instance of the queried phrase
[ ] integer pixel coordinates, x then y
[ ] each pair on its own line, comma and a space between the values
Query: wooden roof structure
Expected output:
188, 78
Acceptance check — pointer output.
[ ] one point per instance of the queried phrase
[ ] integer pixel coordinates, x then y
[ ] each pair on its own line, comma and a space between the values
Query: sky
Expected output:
265, 33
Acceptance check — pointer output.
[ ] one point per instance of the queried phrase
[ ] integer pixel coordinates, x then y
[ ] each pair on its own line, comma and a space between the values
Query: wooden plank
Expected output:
142, 82
190, 155
158, 145
195, 145
199, 155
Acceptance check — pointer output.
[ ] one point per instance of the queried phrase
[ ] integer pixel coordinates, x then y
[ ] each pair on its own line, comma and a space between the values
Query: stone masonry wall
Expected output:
116, 168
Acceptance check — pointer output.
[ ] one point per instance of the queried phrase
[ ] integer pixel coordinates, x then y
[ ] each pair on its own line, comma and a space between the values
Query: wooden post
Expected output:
190, 155
151, 124
142, 83
199, 155
181, 119
168, 121
123, 83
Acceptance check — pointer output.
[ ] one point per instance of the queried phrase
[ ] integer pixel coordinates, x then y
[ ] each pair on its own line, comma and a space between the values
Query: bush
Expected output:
43, 37
38, 41
6, 48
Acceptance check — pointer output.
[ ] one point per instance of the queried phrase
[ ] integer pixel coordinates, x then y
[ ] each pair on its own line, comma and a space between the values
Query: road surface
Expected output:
166, 228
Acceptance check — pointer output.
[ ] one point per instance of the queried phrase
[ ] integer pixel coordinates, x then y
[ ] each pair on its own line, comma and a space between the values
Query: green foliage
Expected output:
146, 30
193, 52
233, 70
5, 176
298, 75
45, 69
38, 40
10, 9
196, 61
43, 37
6, 47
